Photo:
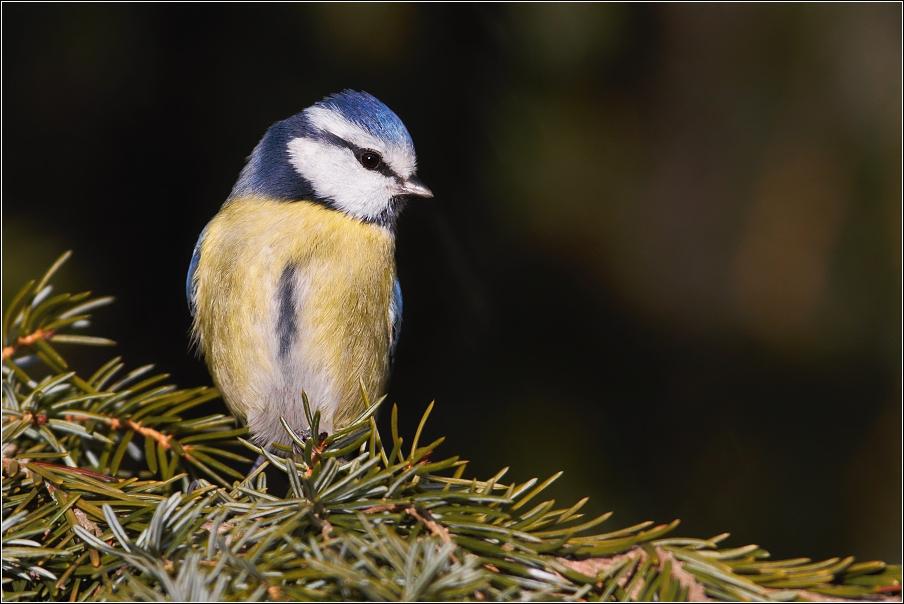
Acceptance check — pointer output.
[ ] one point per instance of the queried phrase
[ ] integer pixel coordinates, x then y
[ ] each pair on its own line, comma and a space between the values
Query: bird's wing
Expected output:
395, 317
190, 286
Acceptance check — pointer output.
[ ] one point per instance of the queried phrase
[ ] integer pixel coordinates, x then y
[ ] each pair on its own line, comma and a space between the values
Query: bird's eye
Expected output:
370, 160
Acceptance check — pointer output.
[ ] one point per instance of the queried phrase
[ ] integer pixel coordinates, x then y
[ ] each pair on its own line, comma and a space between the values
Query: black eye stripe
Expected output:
380, 167
334, 140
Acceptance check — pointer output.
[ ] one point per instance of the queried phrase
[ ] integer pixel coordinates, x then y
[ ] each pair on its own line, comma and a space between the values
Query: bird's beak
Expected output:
413, 187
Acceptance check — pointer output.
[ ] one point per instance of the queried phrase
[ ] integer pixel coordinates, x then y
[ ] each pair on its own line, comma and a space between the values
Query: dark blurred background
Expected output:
664, 253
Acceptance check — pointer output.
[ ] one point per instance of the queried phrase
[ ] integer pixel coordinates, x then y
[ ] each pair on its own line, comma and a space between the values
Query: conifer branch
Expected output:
90, 514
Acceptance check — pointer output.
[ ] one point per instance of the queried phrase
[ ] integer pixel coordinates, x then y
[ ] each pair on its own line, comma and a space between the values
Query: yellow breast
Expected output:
291, 297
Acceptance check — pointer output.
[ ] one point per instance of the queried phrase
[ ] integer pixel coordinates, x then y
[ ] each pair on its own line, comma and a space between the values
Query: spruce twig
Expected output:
95, 507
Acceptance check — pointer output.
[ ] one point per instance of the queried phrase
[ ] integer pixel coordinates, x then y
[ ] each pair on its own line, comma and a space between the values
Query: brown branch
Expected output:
593, 567
38, 334
115, 423
423, 515
162, 439
317, 450
435, 527
86, 523
326, 529
389, 507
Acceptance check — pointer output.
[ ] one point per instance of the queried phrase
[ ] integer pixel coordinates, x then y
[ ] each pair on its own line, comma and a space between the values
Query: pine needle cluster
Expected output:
111, 490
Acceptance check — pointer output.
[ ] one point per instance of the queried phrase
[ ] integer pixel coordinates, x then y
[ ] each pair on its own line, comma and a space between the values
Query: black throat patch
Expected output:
286, 323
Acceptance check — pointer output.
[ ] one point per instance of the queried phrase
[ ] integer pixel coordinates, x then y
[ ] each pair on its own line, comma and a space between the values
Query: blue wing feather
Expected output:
190, 286
395, 313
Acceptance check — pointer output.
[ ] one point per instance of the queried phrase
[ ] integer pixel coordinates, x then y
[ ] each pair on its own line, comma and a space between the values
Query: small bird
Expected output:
293, 284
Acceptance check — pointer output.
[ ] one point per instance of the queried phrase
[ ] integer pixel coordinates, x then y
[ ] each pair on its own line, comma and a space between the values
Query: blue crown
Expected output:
370, 114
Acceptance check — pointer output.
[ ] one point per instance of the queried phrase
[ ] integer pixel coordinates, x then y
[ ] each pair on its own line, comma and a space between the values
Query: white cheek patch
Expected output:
400, 158
334, 172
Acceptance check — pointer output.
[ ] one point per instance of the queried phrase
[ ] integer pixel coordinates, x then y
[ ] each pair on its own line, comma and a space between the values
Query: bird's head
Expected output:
349, 152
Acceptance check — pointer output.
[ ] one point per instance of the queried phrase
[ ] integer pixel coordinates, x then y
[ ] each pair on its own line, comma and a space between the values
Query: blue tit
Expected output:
293, 284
